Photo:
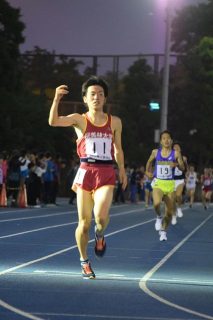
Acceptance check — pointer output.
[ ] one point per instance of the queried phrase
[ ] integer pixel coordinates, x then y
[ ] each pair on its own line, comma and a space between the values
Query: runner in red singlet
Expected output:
98, 145
206, 181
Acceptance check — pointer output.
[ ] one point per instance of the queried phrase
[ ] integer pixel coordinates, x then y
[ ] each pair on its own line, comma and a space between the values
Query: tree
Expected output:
43, 71
140, 86
11, 37
190, 25
38, 69
191, 101
24, 116
191, 89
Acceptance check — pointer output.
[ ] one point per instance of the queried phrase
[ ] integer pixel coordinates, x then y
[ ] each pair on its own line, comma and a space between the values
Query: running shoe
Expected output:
100, 246
179, 213
158, 223
163, 236
174, 220
87, 271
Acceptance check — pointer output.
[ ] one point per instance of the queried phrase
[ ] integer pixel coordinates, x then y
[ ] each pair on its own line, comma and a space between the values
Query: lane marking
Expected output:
19, 311
150, 273
60, 225
100, 316
38, 217
111, 276
2, 212
36, 230
50, 215
68, 249
28, 315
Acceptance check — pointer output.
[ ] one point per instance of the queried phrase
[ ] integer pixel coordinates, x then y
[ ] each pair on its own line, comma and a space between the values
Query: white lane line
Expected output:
181, 281
150, 273
110, 276
36, 230
60, 225
62, 213
68, 249
103, 316
26, 210
73, 274
19, 311
50, 215
28, 315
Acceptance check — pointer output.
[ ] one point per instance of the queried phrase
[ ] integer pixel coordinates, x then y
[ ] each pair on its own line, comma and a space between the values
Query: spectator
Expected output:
56, 177
133, 185
1, 172
4, 165
140, 185
119, 192
70, 178
40, 170
191, 181
32, 185
48, 178
24, 161
13, 177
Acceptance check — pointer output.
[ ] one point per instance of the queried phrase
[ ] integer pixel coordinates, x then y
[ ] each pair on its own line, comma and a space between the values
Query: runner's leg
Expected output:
85, 205
157, 199
178, 195
169, 208
102, 201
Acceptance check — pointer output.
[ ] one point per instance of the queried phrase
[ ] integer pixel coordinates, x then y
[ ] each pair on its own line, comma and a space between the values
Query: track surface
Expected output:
138, 278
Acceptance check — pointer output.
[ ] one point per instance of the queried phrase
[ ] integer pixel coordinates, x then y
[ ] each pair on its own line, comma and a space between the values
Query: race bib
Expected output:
79, 178
99, 148
164, 172
207, 182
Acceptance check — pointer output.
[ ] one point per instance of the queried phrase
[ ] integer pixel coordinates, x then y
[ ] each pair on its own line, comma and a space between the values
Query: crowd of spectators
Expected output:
135, 191
46, 176
38, 172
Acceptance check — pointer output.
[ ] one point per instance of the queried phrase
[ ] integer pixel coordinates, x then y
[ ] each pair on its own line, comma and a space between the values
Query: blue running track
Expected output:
139, 278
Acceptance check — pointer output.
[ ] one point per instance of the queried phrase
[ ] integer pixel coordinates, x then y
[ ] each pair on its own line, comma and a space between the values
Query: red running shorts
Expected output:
90, 177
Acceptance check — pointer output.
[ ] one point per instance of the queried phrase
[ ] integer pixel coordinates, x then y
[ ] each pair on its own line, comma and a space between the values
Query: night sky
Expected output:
96, 26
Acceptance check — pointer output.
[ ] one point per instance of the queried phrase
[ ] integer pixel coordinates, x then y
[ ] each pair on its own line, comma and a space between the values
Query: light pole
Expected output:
165, 88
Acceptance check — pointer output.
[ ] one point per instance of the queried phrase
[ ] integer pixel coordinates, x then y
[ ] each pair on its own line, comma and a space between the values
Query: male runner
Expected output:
179, 177
166, 159
191, 181
206, 180
98, 144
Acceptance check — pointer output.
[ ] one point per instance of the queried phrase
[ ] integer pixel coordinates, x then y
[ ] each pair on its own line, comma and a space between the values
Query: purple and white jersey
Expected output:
163, 168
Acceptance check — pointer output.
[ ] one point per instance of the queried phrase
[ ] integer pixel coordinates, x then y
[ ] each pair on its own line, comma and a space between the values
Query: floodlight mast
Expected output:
165, 88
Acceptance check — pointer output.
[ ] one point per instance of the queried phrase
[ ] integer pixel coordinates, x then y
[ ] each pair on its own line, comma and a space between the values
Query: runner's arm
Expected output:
179, 160
61, 121
152, 157
185, 163
119, 155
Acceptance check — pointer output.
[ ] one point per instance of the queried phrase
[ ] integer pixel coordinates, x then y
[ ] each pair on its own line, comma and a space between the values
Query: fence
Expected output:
116, 64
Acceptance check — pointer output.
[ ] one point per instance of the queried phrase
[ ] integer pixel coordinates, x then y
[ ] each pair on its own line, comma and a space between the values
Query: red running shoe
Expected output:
100, 246
87, 271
